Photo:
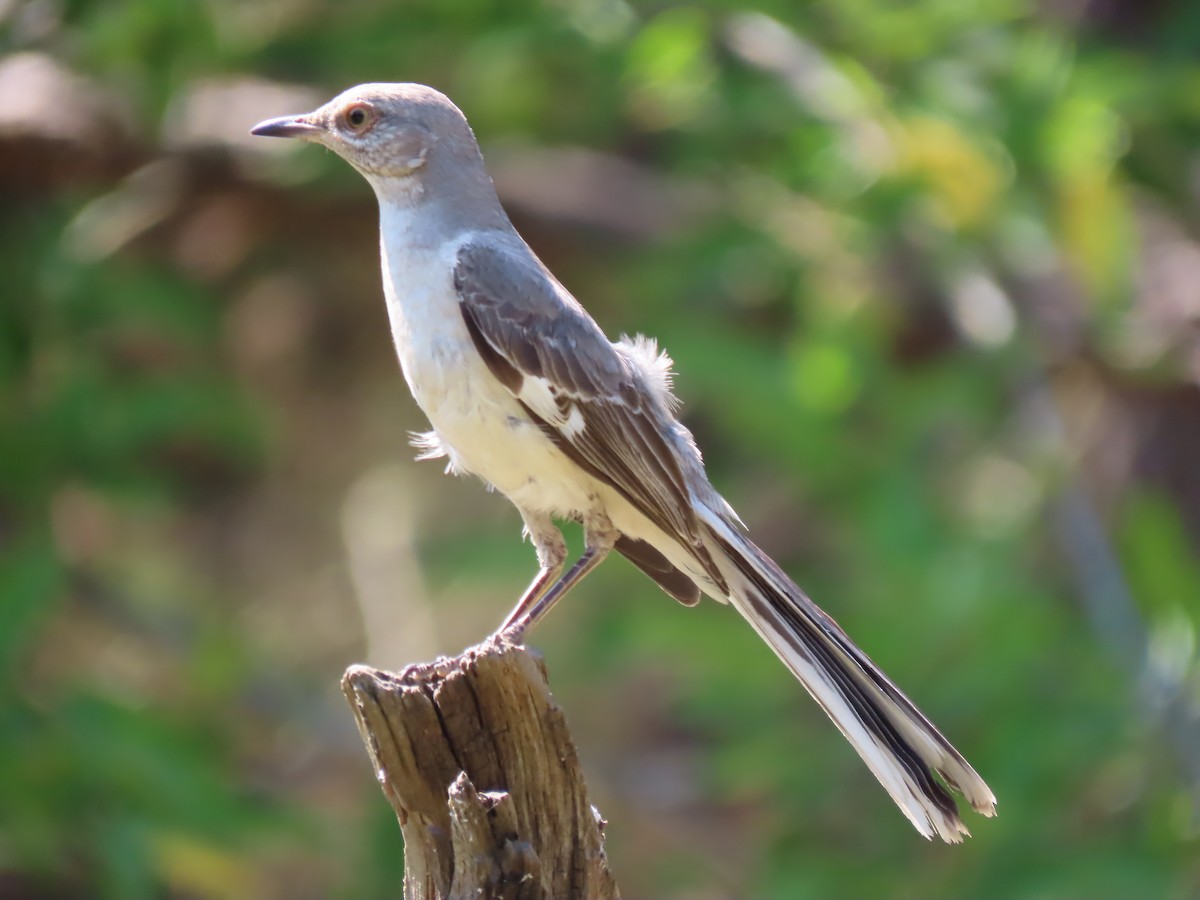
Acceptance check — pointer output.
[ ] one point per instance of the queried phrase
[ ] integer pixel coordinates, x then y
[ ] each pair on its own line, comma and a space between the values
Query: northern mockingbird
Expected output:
524, 390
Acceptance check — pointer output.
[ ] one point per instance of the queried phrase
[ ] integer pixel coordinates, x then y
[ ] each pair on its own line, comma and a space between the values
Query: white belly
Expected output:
486, 432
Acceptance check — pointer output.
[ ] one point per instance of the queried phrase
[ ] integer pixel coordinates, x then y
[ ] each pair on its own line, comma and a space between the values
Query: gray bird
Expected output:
524, 390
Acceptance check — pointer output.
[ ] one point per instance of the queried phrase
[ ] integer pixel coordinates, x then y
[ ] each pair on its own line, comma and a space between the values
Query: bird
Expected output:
522, 388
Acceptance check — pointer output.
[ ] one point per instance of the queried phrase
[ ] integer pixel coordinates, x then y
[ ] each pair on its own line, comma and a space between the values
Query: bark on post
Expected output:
475, 757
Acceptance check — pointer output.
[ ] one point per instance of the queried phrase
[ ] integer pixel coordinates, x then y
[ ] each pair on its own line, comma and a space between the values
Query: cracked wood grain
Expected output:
475, 757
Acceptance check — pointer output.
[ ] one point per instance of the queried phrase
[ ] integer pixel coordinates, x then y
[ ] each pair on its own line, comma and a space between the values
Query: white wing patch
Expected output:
542, 398
574, 425
552, 405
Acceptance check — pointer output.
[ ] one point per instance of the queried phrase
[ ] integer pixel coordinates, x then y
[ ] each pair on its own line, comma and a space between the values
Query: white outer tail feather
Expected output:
924, 802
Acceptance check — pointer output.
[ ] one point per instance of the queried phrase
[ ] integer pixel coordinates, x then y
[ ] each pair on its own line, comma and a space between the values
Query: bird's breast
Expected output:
428, 330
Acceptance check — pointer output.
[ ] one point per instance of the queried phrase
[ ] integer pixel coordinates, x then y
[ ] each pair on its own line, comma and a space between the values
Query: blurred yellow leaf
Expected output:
1082, 142
963, 180
199, 869
1096, 232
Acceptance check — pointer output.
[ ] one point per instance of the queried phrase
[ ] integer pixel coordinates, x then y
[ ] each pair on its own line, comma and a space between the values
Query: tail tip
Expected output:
985, 807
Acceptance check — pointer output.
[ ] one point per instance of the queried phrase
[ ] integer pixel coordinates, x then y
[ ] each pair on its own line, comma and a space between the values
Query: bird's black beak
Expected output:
287, 127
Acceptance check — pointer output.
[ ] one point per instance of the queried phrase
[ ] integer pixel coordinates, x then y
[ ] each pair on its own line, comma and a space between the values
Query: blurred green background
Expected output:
930, 272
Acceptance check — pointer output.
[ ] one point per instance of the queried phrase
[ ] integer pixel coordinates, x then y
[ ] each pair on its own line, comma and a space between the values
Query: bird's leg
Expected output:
599, 536
552, 556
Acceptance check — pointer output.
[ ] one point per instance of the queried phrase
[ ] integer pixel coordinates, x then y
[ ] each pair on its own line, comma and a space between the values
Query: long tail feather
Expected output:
901, 747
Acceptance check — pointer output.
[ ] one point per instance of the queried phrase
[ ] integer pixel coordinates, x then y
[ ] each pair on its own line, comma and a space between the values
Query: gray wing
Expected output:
589, 397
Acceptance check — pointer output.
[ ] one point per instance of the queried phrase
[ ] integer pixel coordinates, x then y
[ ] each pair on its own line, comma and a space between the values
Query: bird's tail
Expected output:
893, 737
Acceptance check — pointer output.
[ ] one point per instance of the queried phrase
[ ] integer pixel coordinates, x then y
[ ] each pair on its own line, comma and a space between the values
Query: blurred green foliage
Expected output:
929, 272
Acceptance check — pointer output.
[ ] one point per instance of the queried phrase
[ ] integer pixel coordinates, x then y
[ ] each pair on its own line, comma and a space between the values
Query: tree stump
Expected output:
476, 759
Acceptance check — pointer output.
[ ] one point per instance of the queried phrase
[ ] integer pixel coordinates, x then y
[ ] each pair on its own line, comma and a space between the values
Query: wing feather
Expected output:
550, 354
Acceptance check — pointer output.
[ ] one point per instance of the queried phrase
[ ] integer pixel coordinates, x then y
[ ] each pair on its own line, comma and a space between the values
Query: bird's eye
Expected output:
359, 117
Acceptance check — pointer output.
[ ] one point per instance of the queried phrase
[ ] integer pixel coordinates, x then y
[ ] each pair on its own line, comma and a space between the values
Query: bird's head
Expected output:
386, 131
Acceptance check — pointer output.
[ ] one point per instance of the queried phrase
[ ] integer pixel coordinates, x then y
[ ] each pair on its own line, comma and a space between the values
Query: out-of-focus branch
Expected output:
475, 758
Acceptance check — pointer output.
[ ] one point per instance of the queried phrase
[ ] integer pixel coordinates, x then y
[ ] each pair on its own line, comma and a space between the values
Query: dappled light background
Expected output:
930, 273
